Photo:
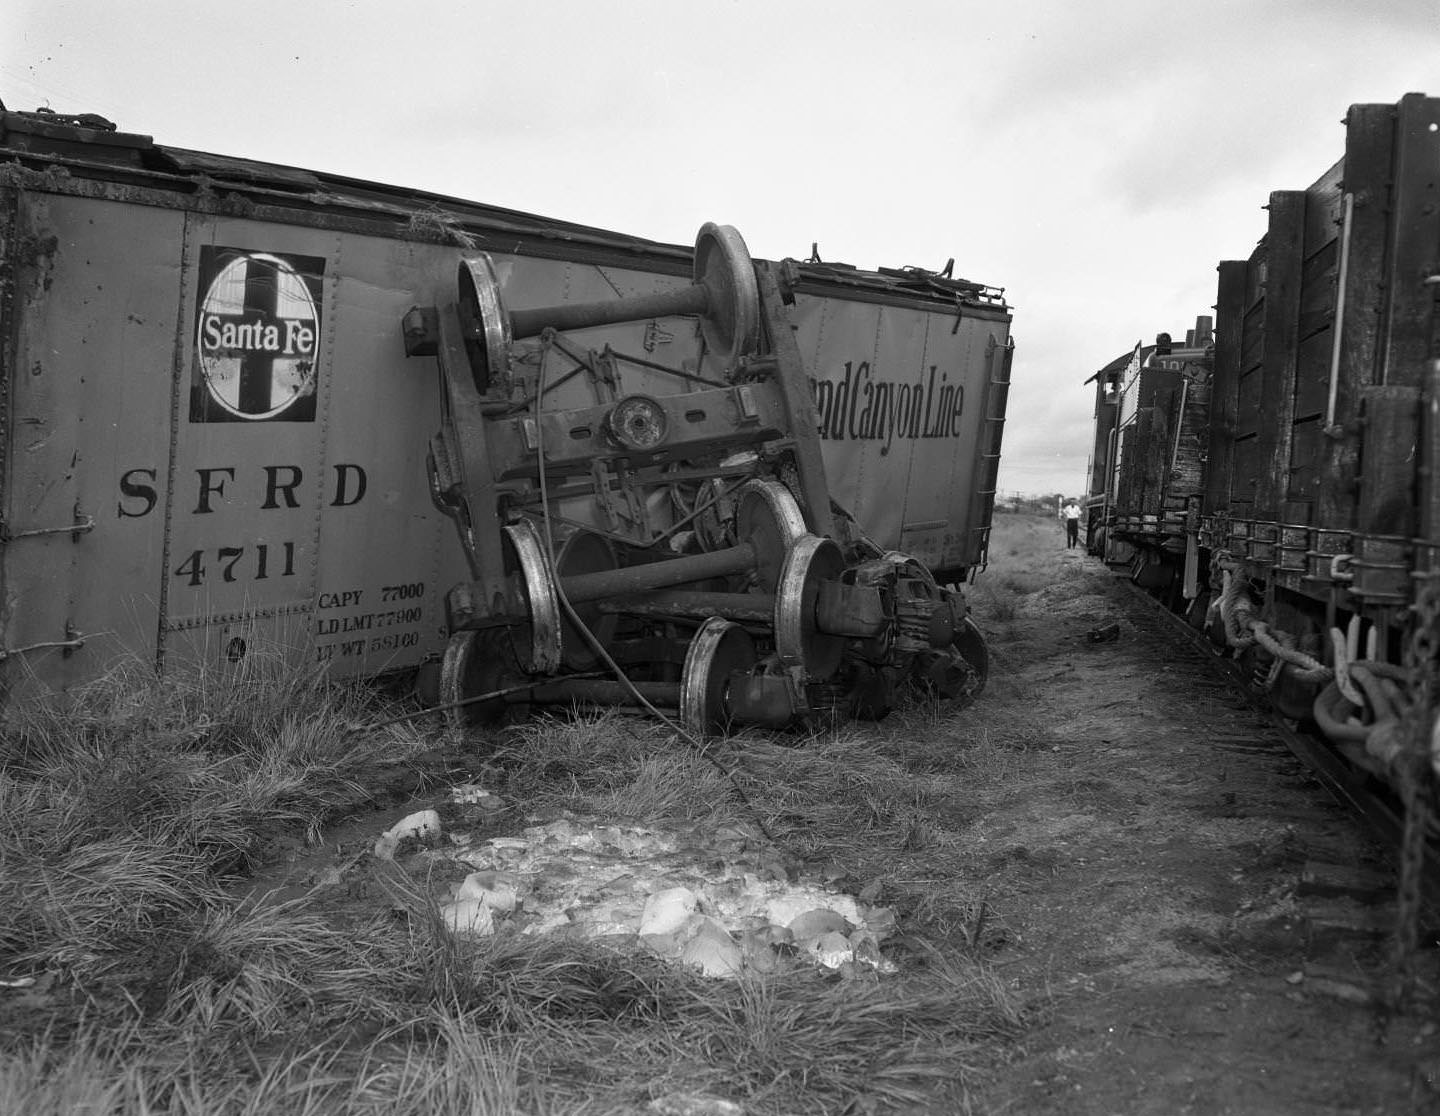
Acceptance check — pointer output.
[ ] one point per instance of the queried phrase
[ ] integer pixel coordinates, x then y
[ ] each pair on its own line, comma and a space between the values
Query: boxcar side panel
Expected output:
1366, 174
254, 373
1225, 386
94, 322
900, 394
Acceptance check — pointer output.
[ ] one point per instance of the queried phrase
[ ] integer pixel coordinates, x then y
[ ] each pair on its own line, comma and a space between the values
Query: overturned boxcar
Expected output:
251, 407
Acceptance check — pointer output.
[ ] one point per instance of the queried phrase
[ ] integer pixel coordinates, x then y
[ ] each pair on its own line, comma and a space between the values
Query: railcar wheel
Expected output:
971, 645
483, 321
731, 326
769, 519
475, 663
538, 644
719, 650
798, 640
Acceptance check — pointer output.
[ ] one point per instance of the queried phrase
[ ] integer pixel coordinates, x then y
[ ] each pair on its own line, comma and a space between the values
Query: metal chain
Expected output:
1218, 557
1413, 768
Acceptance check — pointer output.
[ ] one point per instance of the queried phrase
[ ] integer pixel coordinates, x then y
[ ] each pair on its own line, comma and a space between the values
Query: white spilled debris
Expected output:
499, 891
693, 1104
716, 900
479, 898
667, 911
473, 794
706, 944
468, 916
425, 823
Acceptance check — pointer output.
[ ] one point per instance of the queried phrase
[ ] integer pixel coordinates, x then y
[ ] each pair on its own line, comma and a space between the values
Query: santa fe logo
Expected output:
257, 336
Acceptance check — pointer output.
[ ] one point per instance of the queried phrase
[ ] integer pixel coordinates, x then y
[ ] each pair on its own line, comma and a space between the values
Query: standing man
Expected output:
1070, 513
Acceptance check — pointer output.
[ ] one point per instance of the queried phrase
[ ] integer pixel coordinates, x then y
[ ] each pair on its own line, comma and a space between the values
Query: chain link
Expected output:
1218, 557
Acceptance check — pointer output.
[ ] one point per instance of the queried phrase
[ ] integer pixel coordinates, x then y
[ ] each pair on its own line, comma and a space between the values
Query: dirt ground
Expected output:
1148, 865
1140, 859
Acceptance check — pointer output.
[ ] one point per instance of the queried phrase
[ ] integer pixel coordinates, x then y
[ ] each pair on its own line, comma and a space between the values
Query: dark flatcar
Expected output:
1281, 484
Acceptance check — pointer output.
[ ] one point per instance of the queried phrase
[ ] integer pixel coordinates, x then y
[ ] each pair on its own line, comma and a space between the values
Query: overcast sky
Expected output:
1096, 158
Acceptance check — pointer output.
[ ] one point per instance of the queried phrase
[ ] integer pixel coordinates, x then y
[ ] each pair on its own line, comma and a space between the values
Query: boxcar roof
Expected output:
90, 148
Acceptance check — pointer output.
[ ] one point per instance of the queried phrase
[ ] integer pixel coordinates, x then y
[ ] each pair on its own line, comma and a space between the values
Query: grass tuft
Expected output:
129, 814
124, 809
617, 765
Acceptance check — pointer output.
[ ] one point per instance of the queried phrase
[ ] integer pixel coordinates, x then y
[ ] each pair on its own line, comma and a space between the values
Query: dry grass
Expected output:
776, 1046
614, 765
125, 816
123, 811
288, 1016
